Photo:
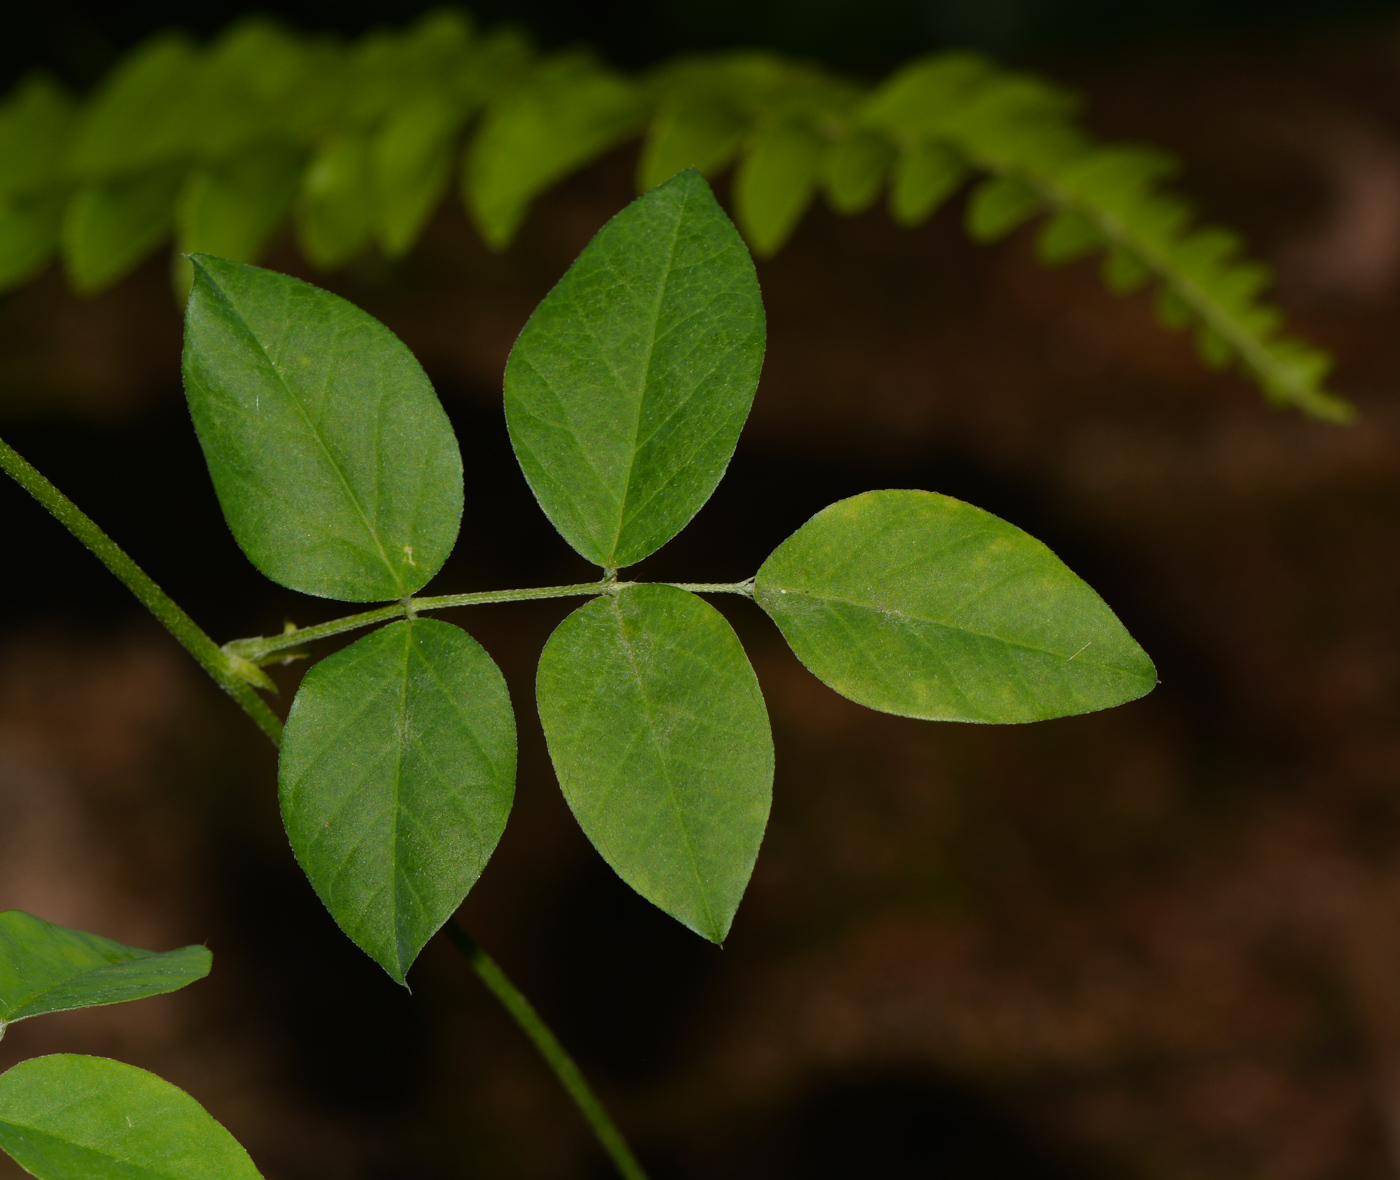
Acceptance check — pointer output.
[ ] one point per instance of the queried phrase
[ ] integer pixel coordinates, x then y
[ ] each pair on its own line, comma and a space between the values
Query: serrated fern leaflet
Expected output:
357, 144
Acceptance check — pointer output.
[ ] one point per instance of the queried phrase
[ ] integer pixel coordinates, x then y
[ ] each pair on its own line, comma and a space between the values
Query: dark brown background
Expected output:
1162, 941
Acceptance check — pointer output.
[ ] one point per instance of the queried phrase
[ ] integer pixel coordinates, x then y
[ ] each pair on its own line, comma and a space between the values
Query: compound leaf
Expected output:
334, 462
46, 968
918, 604
660, 739
396, 777
68, 1117
626, 391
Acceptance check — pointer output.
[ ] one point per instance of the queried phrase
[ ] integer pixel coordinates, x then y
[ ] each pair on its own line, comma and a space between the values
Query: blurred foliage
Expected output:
358, 143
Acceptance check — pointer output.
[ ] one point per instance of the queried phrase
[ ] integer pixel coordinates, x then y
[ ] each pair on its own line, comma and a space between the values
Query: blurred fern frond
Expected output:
357, 144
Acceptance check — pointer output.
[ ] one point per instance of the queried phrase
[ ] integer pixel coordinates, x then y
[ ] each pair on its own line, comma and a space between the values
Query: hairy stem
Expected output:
550, 1049
221, 665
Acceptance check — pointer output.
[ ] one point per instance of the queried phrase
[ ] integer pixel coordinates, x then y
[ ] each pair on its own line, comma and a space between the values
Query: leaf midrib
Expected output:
30, 1000
691, 854
646, 374
396, 796
839, 600
30, 1132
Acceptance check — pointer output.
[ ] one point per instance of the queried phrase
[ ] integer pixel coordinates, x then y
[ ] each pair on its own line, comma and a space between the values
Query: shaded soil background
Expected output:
1161, 941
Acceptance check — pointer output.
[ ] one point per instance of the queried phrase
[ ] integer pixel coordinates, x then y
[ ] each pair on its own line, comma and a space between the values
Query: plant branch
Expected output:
226, 668
550, 1049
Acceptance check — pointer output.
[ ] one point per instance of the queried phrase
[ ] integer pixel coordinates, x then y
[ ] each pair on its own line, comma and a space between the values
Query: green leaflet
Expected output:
563, 115
334, 463
921, 605
998, 206
109, 228
698, 134
145, 115
336, 217
232, 210
46, 968
920, 99
35, 125
29, 228
626, 391
412, 157
396, 777
660, 739
67, 1117
925, 176
1067, 236
853, 170
776, 182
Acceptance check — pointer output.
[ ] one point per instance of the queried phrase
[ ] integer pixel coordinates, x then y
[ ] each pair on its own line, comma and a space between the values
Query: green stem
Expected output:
257, 649
221, 665
444, 601
550, 1049
745, 587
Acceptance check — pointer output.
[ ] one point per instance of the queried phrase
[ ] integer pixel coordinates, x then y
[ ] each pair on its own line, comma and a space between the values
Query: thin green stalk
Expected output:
221, 665
577, 590
745, 587
259, 648
550, 1049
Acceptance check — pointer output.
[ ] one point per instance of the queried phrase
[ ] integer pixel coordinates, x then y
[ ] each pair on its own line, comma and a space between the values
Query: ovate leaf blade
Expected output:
626, 391
66, 1117
333, 460
918, 604
660, 738
47, 968
396, 776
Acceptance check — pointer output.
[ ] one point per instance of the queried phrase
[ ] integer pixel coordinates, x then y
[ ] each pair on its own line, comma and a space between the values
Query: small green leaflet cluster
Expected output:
625, 394
69, 1117
220, 145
